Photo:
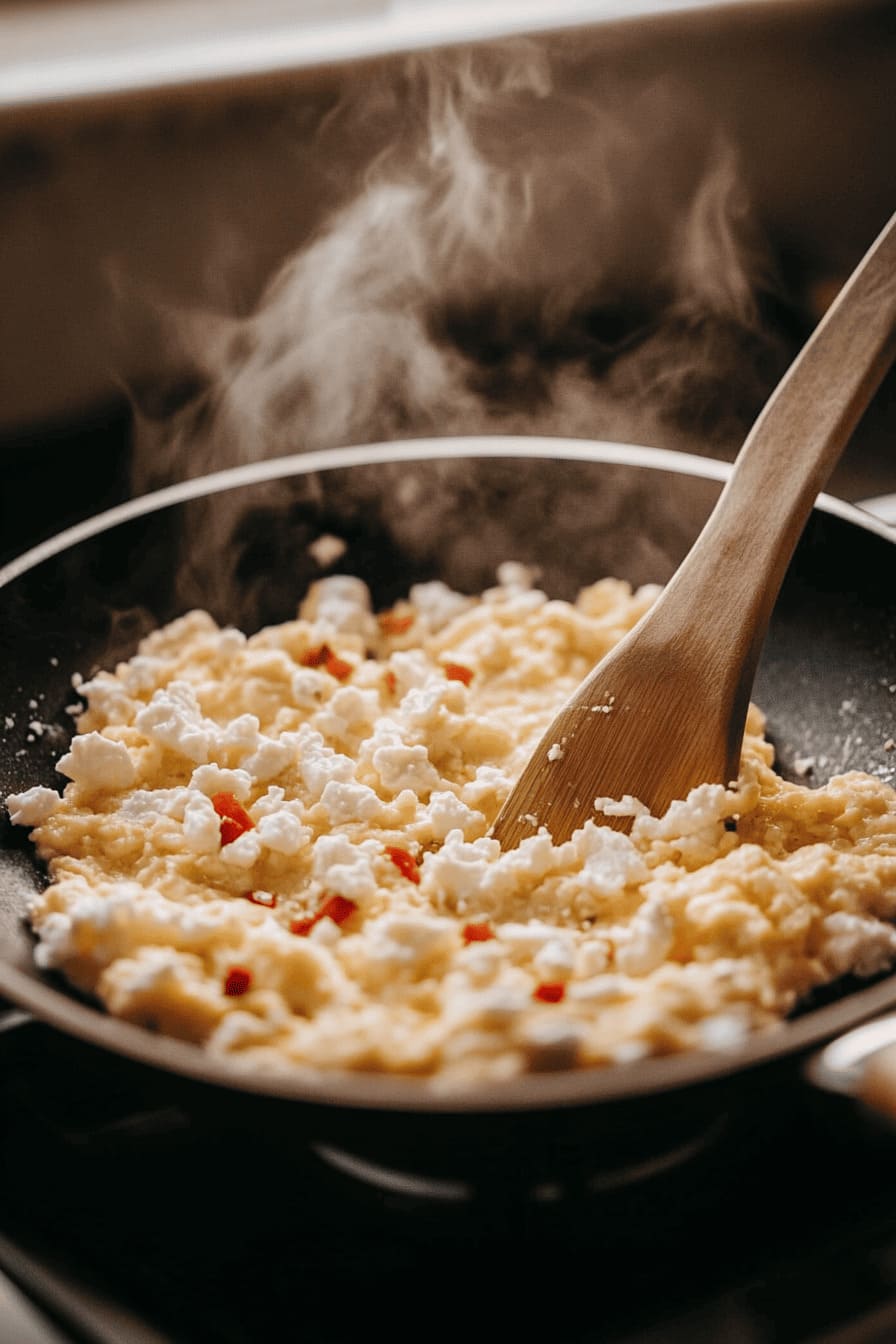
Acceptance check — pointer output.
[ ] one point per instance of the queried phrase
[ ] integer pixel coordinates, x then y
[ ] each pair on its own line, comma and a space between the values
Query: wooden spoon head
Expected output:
641, 727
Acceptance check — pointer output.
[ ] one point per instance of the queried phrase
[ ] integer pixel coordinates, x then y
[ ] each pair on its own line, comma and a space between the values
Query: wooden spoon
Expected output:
665, 709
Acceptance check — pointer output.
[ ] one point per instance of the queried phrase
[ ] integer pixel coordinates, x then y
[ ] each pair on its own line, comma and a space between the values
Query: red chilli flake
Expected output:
237, 981
549, 993
338, 667
316, 657
302, 927
391, 681
404, 862
323, 656
265, 898
477, 933
394, 623
457, 672
235, 820
337, 908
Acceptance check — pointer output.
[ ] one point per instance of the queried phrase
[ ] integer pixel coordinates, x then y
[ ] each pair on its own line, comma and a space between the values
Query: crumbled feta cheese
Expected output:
610, 861
240, 735
626, 806
347, 711
108, 698
147, 805
320, 764
526, 940
446, 812
340, 604
325, 933
345, 868
202, 825
283, 832
555, 959
409, 940
437, 604
411, 668
602, 989
326, 549
403, 767
511, 574
345, 802
142, 674
174, 720
242, 852
857, 943
96, 762
33, 807
271, 757
646, 943
309, 687
212, 779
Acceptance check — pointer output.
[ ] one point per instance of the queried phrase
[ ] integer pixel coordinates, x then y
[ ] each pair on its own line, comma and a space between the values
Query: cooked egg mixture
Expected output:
278, 847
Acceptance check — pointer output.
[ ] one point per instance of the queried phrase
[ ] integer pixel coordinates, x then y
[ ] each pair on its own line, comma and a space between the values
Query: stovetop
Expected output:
128, 1219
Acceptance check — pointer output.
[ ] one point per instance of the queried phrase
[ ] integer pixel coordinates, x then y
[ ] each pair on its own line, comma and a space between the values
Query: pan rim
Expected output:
409, 450
388, 1092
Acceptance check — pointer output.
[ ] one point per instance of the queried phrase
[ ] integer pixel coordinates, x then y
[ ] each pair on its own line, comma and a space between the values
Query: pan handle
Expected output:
861, 1064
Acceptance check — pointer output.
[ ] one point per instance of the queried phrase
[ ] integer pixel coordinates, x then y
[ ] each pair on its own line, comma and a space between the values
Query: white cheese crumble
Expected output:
33, 807
174, 720
95, 762
327, 549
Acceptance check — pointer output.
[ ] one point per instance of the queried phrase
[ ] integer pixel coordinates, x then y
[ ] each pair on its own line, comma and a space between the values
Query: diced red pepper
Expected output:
477, 933
315, 657
237, 981
338, 667
457, 672
337, 908
323, 656
265, 898
230, 831
303, 927
405, 862
235, 820
395, 623
549, 993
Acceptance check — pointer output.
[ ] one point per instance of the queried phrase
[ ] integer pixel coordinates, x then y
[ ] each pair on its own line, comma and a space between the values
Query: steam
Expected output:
514, 259
518, 252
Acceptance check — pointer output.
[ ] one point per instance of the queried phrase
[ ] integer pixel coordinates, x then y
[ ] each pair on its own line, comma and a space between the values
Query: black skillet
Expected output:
241, 543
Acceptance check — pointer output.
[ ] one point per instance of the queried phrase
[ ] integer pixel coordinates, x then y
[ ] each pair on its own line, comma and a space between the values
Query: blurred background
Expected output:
234, 230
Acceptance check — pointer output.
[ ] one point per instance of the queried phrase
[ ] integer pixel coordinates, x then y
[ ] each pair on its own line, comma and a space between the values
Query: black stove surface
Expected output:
129, 1218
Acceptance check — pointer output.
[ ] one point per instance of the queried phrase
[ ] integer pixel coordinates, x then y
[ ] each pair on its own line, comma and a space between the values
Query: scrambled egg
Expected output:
278, 847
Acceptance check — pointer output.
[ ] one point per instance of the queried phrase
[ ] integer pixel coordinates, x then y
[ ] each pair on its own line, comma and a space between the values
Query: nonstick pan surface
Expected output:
238, 544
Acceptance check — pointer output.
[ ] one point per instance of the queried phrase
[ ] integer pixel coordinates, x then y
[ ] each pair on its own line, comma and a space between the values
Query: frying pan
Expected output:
238, 543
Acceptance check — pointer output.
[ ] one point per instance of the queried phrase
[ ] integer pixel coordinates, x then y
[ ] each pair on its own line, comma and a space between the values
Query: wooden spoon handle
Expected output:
806, 424
787, 458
